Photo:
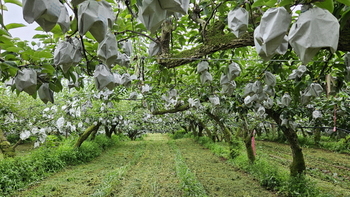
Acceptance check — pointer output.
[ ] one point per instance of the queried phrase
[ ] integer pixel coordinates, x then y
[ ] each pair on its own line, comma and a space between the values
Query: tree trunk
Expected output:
201, 127
5, 146
249, 148
200, 130
192, 127
225, 130
109, 132
247, 136
298, 164
86, 134
303, 132
93, 134
317, 136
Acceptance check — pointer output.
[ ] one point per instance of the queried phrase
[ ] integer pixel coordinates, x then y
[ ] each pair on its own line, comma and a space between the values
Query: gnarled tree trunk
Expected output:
298, 164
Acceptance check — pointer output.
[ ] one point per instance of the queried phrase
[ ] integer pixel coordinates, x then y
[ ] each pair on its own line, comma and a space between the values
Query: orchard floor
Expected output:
150, 168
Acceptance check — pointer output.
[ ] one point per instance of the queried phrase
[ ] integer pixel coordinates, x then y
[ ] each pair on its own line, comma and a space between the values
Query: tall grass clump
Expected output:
18, 172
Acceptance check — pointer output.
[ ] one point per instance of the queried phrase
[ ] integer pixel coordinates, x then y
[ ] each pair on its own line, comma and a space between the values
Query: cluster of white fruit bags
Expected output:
47, 13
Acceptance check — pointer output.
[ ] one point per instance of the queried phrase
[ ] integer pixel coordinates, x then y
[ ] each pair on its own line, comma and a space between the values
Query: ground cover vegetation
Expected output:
155, 166
225, 70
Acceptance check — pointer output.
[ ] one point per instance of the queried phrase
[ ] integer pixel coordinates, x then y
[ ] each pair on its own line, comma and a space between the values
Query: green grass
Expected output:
18, 172
113, 178
269, 175
189, 183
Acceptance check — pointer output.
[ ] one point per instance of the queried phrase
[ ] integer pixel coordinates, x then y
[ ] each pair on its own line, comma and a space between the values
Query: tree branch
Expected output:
176, 109
138, 33
219, 43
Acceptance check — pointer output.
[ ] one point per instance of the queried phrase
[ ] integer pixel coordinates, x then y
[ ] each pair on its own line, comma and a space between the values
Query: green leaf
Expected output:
344, 19
285, 2
10, 67
268, 3
14, 49
4, 32
326, 4
48, 68
41, 36
56, 85
345, 2
44, 54
16, 2
14, 25
74, 25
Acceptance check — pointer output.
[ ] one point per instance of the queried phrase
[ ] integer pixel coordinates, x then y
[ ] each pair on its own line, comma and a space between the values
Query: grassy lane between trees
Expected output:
330, 170
93, 178
156, 166
327, 172
218, 177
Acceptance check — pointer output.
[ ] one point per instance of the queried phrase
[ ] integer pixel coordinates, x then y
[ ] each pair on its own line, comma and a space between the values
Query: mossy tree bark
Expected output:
317, 132
93, 134
175, 110
86, 134
5, 146
297, 166
221, 42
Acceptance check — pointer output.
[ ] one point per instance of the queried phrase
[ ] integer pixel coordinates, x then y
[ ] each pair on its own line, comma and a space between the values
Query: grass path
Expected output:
156, 166
154, 174
86, 179
217, 177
